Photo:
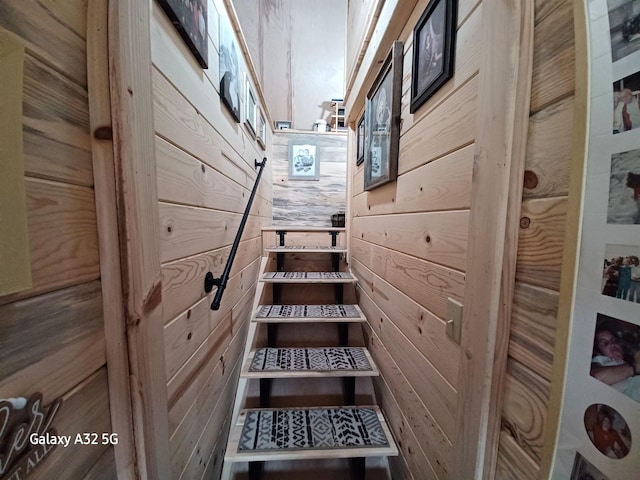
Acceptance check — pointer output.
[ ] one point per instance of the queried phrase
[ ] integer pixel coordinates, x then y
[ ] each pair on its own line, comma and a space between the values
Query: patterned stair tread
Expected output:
308, 277
302, 228
305, 249
307, 433
309, 362
309, 313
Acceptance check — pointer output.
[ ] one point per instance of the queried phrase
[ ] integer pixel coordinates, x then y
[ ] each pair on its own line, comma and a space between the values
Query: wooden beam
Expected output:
503, 102
132, 109
107, 223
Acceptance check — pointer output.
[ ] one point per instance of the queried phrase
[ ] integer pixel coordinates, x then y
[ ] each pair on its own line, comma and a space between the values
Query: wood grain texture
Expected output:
52, 31
444, 184
104, 468
419, 418
34, 329
513, 462
533, 327
432, 389
466, 58
428, 284
299, 202
549, 145
183, 280
450, 126
553, 58
84, 409
439, 237
525, 408
540, 243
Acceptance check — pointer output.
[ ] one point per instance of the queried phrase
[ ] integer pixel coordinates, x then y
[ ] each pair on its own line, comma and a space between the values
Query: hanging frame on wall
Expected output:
230, 88
382, 122
190, 20
434, 39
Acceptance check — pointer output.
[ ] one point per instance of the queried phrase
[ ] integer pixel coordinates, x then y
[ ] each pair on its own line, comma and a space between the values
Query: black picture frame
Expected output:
262, 130
190, 19
360, 142
251, 109
434, 38
382, 122
230, 86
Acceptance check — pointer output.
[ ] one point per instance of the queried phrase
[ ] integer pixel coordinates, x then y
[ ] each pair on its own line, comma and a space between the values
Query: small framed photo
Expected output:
230, 81
303, 163
282, 124
360, 142
262, 130
252, 108
434, 38
190, 20
382, 122
624, 189
626, 103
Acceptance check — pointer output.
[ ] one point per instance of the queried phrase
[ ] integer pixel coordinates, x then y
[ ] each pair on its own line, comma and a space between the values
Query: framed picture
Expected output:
190, 19
360, 142
262, 131
433, 50
229, 70
282, 124
382, 122
303, 163
252, 107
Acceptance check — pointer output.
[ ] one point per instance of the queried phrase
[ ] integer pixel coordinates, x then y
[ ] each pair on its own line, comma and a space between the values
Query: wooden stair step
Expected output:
308, 313
305, 249
302, 228
309, 362
308, 277
309, 433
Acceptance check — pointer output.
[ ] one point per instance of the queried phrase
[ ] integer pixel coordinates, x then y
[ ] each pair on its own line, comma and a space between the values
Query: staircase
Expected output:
300, 428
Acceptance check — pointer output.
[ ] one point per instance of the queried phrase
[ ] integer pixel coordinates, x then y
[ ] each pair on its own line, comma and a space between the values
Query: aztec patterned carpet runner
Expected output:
298, 429
310, 359
308, 275
311, 311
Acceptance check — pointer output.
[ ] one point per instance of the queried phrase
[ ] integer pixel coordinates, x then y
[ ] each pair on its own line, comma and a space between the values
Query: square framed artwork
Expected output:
230, 86
262, 130
251, 109
434, 38
282, 124
189, 17
303, 162
360, 142
382, 122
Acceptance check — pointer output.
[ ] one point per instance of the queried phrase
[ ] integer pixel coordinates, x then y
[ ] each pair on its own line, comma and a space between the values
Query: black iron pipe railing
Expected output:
221, 283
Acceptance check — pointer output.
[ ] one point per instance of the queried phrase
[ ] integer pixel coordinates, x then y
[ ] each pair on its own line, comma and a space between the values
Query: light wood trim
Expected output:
15, 274
503, 98
107, 223
132, 108
571, 238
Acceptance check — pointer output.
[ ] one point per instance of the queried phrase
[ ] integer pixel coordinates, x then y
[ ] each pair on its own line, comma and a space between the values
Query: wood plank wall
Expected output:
541, 241
306, 202
406, 278
205, 174
52, 336
408, 248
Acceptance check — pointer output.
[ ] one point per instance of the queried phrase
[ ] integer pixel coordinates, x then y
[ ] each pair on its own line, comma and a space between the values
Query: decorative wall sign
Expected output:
434, 39
190, 19
303, 163
26, 435
382, 122
229, 69
599, 423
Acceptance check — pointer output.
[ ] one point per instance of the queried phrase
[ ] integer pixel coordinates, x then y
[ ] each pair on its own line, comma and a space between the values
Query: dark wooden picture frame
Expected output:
434, 38
251, 113
360, 141
191, 21
382, 122
230, 86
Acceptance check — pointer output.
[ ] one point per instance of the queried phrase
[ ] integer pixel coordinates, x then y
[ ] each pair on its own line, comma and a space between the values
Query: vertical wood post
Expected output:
502, 122
132, 109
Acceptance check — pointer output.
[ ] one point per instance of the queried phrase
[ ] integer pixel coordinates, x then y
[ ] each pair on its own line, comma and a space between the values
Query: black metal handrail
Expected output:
221, 283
